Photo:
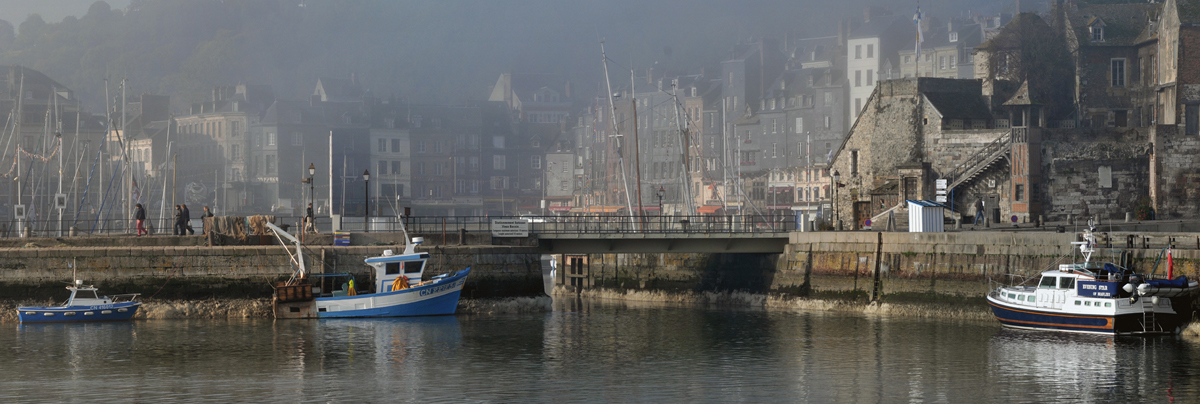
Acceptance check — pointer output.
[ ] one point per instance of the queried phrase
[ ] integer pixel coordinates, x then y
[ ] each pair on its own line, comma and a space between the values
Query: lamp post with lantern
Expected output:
367, 201
837, 220
661, 191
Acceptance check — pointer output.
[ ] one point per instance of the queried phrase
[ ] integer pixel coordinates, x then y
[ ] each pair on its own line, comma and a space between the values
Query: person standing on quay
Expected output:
204, 216
309, 226
179, 229
140, 215
187, 222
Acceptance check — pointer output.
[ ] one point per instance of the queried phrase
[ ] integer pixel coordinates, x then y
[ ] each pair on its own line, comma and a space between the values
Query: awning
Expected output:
708, 210
603, 209
560, 209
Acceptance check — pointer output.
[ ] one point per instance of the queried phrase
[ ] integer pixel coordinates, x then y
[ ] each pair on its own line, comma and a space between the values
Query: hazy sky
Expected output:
15, 11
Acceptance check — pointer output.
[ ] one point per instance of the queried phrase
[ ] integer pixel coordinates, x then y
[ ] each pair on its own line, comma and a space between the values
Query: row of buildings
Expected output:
1063, 112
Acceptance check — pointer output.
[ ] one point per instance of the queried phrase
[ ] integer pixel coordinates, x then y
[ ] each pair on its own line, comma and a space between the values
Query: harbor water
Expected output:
589, 352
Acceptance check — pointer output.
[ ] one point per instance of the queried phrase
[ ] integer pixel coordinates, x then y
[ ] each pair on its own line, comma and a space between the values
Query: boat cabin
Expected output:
390, 266
86, 296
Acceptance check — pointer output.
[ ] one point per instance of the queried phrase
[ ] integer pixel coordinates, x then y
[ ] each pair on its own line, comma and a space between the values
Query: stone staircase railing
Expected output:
982, 159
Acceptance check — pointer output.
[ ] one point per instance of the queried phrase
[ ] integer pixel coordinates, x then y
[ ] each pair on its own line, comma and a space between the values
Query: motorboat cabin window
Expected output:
1087, 303
1049, 282
1107, 304
412, 267
1066, 283
1076, 302
85, 294
392, 268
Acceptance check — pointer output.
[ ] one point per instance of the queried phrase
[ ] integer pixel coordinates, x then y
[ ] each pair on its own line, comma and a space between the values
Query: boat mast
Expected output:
682, 126
58, 133
617, 135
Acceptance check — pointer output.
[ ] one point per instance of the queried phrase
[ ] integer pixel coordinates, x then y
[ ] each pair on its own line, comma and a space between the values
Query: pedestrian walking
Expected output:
179, 230
140, 215
187, 221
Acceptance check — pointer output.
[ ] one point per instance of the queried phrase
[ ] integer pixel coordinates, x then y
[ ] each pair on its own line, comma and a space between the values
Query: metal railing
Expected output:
589, 224
980, 159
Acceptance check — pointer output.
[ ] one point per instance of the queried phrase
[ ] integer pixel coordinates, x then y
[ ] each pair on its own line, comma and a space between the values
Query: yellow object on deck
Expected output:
400, 283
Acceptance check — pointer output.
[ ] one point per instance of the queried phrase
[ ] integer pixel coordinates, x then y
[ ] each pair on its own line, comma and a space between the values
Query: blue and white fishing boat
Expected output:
1095, 298
396, 289
84, 305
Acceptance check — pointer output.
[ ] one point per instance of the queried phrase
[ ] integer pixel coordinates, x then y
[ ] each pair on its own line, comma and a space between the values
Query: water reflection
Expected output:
588, 352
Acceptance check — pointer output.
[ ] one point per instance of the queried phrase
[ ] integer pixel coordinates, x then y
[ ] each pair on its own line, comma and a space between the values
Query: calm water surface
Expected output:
589, 352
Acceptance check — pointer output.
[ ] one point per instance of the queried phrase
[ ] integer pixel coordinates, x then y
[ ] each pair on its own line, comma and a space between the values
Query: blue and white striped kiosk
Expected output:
925, 217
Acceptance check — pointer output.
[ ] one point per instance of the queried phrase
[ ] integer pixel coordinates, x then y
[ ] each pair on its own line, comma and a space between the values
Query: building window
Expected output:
826, 122
800, 125
942, 62
870, 77
498, 162
870, 50
383, 144
854, 162
535, 162
858, 78
383, 165
498, 142
395, 145
952, 57
953, 37
396, 167
857, 106
270, 138
1118, 72
1097, 33
858, 51
1019, 193
907, 59
774, 124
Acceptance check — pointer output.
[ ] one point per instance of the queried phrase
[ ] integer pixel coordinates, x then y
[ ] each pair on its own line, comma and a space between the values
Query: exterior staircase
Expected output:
979, 162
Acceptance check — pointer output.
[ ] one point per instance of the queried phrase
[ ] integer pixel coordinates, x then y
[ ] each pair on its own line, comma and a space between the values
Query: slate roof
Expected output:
1123, 23
959, 105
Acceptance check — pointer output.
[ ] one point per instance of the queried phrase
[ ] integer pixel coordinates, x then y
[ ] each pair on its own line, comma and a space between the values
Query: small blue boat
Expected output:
84, 305
396, 290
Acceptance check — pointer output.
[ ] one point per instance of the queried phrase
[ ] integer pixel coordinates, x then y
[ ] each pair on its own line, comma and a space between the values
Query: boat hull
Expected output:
1029, 318
440, 298
79, 314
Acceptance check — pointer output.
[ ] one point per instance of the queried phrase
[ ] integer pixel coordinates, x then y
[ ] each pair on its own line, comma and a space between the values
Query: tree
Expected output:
1029, 49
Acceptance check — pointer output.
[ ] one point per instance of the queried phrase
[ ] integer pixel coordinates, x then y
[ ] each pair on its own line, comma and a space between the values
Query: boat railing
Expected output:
127, 297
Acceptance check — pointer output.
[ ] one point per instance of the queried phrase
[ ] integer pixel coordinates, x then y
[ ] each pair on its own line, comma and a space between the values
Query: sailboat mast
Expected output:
617, 135
683, 150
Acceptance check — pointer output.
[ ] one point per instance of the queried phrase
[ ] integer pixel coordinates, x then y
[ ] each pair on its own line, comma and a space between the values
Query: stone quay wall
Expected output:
920, 267
202, 272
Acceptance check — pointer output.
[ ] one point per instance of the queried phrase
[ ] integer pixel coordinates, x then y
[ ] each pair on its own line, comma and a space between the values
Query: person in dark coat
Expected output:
179, 228
309, 226
187, 221
204, 216
140, 215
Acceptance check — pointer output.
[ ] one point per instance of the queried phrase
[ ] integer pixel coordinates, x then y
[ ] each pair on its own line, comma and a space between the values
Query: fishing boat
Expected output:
1096, 298
396, 288
84, 305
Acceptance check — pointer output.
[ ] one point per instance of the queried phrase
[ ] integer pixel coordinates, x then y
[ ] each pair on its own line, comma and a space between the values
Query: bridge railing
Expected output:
597, 224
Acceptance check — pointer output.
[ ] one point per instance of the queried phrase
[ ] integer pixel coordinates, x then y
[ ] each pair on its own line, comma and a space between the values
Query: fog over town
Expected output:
492, 108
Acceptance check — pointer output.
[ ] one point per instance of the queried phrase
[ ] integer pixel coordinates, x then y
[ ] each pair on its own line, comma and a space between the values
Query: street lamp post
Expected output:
837, 221
312, 195
367, 201
661, 191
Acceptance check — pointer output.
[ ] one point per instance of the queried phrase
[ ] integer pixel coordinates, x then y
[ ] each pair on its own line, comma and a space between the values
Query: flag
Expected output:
137, 193
920, 37
1170, 265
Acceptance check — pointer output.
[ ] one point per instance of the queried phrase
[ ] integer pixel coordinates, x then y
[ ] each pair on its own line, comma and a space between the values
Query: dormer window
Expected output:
1097, 31
953, 37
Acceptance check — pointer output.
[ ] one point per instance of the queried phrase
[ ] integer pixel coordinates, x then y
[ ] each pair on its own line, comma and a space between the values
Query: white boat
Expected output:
396, 291
84, 305
1095, 298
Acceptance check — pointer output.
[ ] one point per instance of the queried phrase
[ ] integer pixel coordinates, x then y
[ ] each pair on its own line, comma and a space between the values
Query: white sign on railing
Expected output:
510, 228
